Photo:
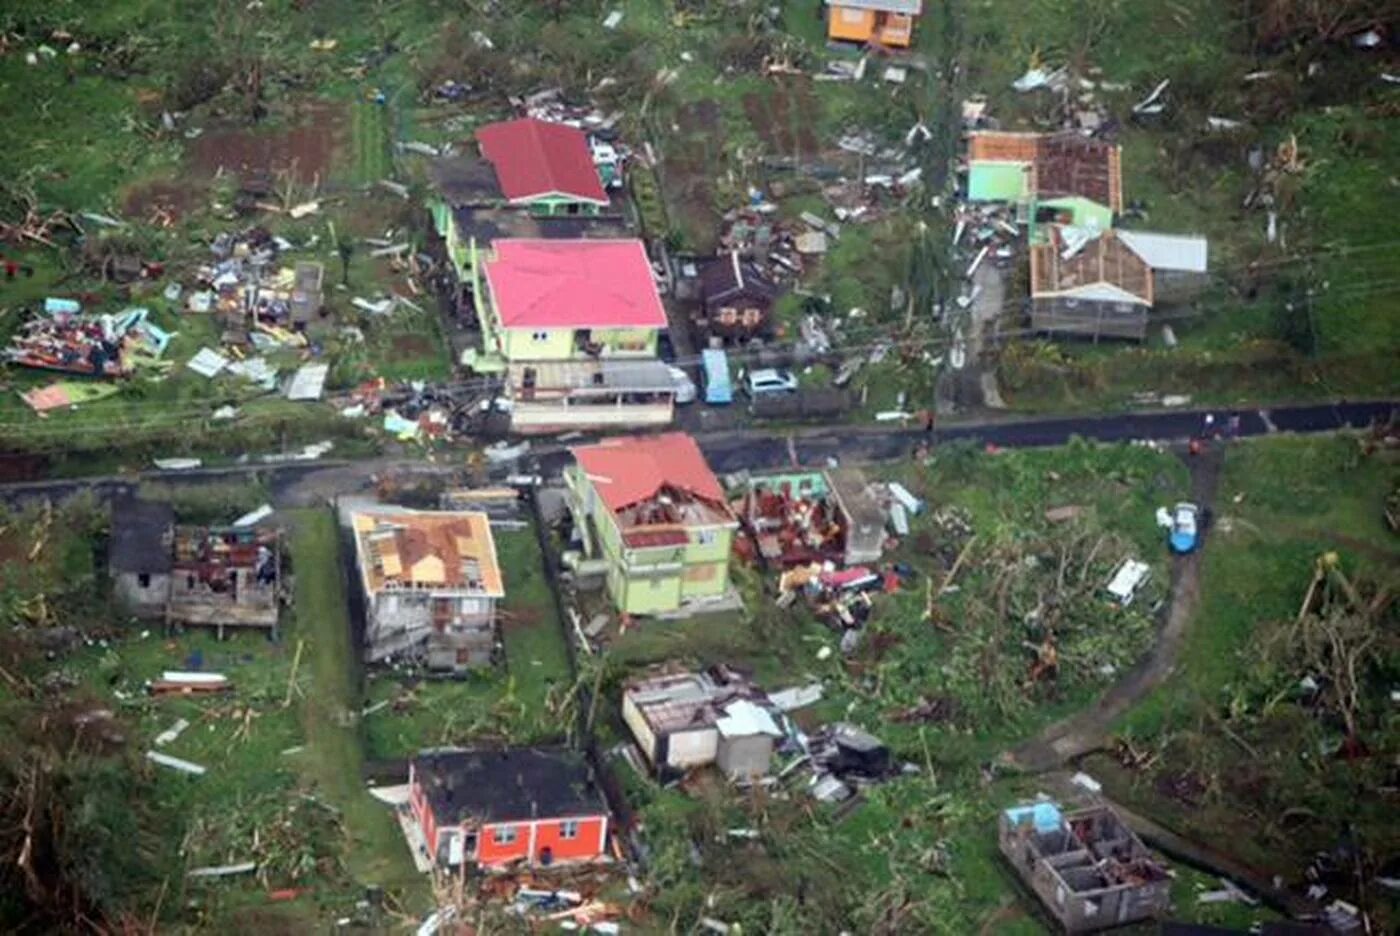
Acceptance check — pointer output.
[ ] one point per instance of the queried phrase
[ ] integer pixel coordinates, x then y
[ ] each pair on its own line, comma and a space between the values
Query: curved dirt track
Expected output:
1088, 730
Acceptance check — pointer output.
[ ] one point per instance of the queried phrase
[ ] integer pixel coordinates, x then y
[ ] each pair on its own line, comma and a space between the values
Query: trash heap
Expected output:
610, 155
64, 340
570, 898
420, 412
261, 304
826, 532
845, 759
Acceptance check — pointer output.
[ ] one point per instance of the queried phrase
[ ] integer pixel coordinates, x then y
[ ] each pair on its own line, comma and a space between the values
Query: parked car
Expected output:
684, 386
1185, 534
769, 381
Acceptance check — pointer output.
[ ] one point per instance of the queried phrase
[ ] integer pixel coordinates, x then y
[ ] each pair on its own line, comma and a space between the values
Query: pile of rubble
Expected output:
66, 341
844, 759
260, 304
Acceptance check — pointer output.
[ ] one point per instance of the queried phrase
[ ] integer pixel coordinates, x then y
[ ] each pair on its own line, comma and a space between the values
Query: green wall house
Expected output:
652, 510
1068, 173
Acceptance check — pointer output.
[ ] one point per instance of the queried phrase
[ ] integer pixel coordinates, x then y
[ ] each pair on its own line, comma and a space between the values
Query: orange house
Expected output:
881, 22
492, 807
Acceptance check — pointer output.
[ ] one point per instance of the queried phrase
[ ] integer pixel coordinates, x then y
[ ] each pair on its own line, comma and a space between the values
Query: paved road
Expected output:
752, 451
757, 450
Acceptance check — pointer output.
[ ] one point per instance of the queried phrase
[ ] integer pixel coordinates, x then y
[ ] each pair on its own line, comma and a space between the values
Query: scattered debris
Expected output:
175, 763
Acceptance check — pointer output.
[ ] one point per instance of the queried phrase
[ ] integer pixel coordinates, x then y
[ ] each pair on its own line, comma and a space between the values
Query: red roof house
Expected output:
627, 472
651, 507
535, 159
573, 284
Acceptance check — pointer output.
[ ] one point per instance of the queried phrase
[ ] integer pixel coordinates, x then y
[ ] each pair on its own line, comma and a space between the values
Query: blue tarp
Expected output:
1046, 817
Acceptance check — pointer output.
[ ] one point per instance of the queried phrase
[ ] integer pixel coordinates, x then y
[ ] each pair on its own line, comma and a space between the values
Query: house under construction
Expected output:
1086, 866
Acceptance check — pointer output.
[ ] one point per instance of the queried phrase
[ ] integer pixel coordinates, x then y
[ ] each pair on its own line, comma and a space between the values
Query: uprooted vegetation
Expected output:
1277, 730
946, 692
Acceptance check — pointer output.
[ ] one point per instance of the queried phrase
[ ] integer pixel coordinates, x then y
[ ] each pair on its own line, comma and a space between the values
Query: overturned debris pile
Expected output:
65, 341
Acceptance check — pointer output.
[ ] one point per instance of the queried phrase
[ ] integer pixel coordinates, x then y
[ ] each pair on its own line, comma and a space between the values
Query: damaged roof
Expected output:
538, 159
506, 785
444, 550
671, 702
729, 276
911, 7
573, 284
1074, 265
1068, 163
141, 536
628, 471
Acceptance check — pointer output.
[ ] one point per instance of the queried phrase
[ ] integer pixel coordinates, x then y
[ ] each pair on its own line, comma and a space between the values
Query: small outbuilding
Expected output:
687, 720
737, 299
139, 556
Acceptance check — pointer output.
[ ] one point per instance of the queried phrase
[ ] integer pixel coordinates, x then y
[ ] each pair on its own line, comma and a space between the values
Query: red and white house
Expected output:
493, 807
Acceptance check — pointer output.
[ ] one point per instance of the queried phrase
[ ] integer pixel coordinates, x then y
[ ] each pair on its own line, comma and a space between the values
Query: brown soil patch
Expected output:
161, 197
305, 146
691, 159
785, 117
411, 346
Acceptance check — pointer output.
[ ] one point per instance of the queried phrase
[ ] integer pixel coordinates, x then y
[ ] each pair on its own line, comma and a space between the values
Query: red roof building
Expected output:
627, 472
536, 159
652, 508
573, 284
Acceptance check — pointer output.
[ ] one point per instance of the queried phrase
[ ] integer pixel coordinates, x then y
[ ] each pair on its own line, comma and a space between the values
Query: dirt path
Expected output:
1088, 730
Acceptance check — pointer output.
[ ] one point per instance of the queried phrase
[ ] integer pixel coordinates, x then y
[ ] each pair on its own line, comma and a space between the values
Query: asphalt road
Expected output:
757, 450
751, 451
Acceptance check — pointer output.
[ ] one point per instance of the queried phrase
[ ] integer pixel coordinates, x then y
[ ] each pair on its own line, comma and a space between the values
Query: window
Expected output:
705, 537
568, 829
540, 336
143, 580
504, 835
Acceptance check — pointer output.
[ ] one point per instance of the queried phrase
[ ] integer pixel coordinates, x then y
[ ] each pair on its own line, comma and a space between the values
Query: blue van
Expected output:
715, 367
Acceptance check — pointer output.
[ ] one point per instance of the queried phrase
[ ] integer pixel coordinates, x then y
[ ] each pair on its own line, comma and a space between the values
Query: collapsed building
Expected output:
1087, 867
815, 516
431, 582
686, 720
194, 576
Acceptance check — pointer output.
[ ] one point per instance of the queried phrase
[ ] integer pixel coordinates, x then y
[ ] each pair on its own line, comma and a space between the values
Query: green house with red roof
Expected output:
651, 510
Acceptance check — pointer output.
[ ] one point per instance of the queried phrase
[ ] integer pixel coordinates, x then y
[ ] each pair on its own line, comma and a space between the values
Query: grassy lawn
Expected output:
333, 754
1236, 747
281, 752
514, 704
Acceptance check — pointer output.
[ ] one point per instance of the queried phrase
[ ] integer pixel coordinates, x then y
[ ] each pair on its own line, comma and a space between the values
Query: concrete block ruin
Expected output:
1087, 867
